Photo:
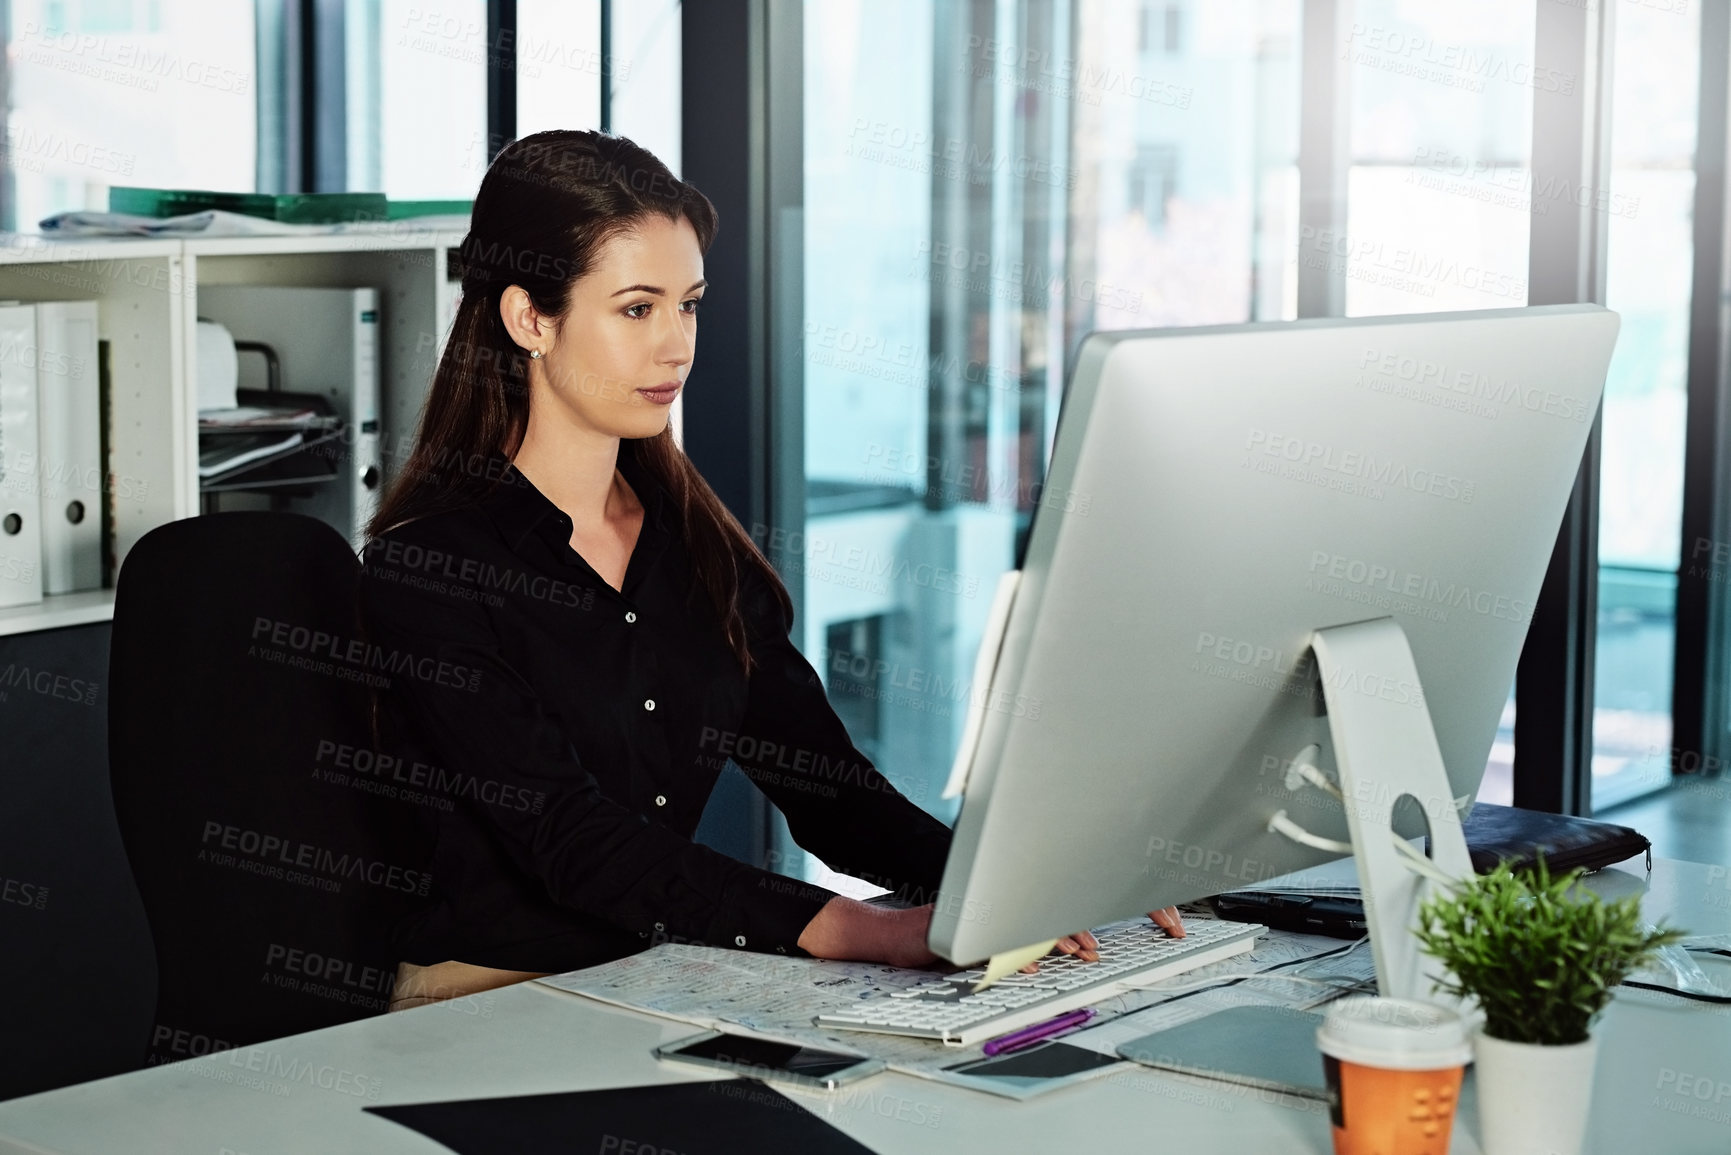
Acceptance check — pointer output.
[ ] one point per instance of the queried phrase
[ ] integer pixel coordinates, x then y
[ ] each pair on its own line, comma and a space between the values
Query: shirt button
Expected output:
738, 940
649, 704
630, 615
661, 800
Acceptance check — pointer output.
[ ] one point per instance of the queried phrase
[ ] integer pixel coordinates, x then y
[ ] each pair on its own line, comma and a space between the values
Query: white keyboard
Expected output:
1132, 953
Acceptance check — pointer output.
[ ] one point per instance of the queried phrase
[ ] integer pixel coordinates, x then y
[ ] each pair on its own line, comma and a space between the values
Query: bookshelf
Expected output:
148, 289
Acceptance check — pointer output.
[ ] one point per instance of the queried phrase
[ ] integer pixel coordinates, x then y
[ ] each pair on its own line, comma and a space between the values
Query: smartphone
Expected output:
771, 1061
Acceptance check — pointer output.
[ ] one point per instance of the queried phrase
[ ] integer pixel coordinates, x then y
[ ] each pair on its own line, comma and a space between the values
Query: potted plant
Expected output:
1541, 960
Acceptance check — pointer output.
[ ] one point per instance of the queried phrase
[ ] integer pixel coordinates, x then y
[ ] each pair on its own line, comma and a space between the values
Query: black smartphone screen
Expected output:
737, 1051
1053, 1061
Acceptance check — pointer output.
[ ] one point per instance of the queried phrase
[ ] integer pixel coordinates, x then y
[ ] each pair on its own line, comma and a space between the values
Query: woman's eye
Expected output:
691, 312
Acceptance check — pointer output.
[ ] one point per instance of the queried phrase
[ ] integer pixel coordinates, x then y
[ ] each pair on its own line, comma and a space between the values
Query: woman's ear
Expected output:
527, 327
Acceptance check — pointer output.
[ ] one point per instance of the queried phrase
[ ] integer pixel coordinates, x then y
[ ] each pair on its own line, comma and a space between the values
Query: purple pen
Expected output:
1028, 1036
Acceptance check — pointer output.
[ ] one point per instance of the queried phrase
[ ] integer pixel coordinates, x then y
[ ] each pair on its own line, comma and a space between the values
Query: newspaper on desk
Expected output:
776, 997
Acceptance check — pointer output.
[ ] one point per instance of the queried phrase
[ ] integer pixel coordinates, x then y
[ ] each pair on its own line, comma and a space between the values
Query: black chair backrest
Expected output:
270, 857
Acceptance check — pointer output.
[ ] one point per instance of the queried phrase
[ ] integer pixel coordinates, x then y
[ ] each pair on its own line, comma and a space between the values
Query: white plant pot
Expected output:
1533, 1099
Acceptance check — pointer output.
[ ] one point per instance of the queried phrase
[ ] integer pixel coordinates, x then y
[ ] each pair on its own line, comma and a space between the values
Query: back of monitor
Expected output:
1224, 492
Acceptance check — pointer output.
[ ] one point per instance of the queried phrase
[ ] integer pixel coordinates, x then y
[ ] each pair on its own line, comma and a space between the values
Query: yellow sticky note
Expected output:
1012, 961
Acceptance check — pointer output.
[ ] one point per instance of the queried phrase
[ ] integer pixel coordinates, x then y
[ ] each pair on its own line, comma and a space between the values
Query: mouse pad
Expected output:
1272, 1047
725, 1117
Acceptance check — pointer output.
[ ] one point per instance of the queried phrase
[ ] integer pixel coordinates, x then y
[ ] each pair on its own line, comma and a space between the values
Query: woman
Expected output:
592, 635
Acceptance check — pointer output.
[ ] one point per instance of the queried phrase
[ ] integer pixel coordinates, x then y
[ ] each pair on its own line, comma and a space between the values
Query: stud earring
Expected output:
534, 354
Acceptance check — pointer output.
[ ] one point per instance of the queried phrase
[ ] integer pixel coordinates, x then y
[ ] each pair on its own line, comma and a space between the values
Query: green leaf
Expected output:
1541, 954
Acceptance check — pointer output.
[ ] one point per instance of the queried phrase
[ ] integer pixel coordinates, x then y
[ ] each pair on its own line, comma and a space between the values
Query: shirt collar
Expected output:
518, 508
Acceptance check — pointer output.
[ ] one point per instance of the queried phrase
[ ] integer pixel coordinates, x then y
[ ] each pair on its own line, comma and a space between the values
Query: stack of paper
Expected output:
210, 223
221, 455
255, 417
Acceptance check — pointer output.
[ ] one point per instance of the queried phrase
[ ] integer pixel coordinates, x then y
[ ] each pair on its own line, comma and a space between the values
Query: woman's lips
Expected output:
661, 394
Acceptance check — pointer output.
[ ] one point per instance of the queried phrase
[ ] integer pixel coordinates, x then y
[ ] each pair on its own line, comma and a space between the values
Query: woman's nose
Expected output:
677, 342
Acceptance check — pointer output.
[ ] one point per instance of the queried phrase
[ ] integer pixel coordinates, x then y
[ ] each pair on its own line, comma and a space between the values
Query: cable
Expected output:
1272, 973
1206, 983
1318, 779
1682, 994
1418, 862
1415, 860
1284, 825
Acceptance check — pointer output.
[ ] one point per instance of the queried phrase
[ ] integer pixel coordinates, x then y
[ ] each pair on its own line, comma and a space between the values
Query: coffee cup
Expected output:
1394, 1071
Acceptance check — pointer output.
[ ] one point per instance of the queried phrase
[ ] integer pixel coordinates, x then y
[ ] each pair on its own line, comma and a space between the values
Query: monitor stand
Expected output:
1386, 749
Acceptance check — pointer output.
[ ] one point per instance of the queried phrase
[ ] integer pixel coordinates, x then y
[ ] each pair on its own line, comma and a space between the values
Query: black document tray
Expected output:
296, 465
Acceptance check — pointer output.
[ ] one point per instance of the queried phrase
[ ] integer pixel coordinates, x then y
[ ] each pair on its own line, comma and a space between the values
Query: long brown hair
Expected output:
545, 207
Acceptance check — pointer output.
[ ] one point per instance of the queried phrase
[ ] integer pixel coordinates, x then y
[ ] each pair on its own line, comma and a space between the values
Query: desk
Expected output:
529, 1039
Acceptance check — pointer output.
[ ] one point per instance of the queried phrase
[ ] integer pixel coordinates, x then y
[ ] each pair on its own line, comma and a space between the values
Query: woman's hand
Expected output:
1166, 918
1087, 948
849, 929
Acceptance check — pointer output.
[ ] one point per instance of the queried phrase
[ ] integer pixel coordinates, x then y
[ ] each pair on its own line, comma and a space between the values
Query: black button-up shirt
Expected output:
566, 761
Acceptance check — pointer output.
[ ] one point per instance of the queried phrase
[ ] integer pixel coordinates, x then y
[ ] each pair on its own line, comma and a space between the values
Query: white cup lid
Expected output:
1397, 1034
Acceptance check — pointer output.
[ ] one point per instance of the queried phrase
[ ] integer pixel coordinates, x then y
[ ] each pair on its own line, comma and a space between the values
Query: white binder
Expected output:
20, 503
327, 339
70, 433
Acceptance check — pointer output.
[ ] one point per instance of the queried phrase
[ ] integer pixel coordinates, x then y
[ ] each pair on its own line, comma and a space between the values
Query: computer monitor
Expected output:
1216, 495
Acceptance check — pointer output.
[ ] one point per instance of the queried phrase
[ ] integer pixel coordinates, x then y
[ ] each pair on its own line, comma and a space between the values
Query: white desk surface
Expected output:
529, 1039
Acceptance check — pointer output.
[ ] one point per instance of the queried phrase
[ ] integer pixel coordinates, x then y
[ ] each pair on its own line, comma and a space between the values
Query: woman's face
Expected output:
620, 355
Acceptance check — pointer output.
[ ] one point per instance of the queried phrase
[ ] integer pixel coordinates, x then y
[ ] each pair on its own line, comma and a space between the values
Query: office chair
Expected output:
271, 865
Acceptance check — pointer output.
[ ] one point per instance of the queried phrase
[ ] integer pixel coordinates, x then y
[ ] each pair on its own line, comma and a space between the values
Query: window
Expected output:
157, 93
643, 75
1204, 144
559, 65
1649, 209
1439, 193
853, 667
1030, 176
417, 98
1153, 178
1159, 27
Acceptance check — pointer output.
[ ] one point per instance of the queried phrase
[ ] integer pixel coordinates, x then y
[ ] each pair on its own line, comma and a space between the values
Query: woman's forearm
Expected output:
846, 928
